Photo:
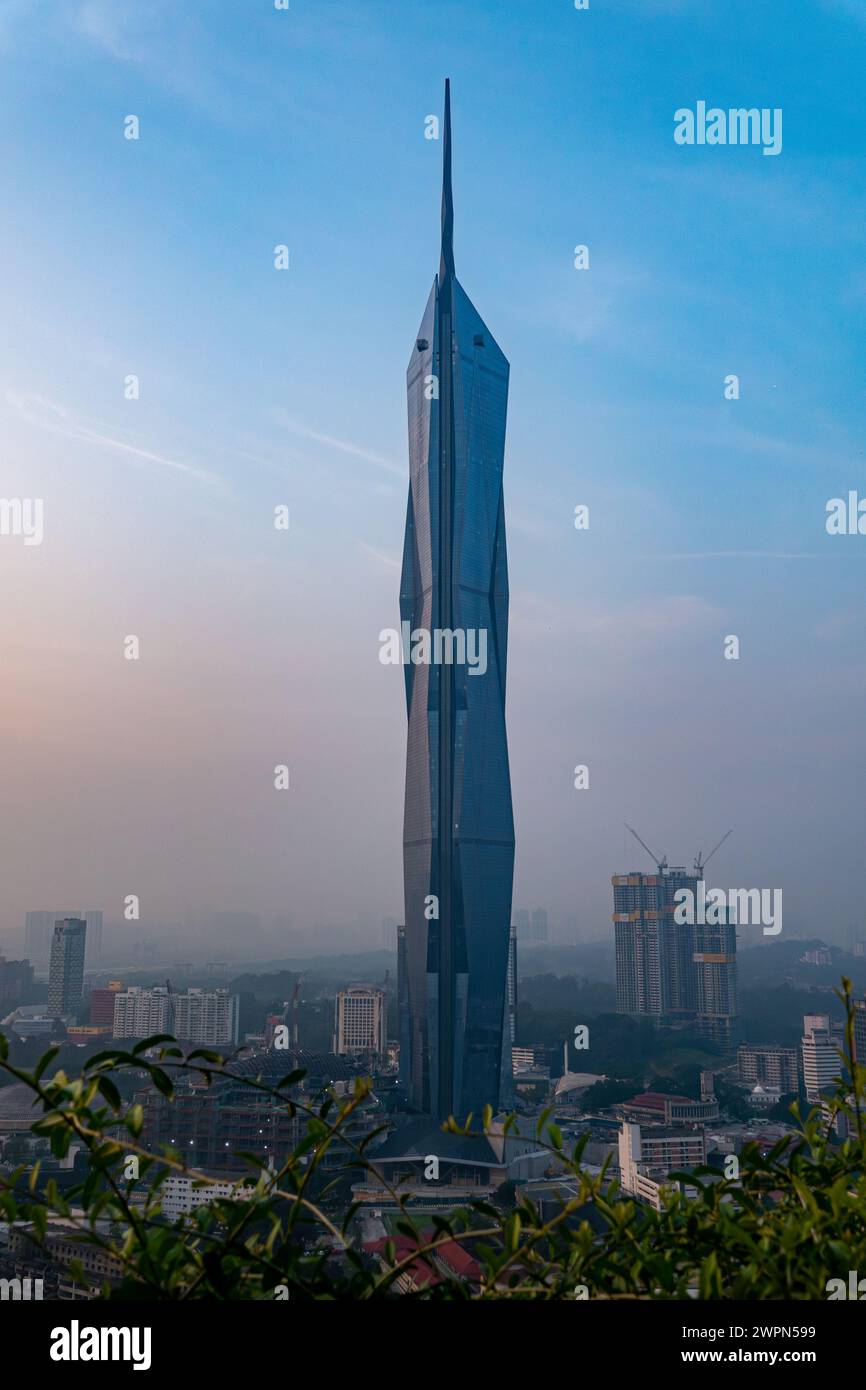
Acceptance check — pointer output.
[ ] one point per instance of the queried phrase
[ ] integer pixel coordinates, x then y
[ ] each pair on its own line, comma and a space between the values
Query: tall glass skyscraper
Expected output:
458, 829
66, 968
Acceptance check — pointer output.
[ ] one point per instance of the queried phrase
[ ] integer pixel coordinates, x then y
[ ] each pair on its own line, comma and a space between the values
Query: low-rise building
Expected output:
85, 1033
656, 1107
764, 1097
61, 1244
181, 1193
440, 1171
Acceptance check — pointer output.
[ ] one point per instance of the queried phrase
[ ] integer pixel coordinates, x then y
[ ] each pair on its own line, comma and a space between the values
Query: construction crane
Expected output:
660, 863
701, 864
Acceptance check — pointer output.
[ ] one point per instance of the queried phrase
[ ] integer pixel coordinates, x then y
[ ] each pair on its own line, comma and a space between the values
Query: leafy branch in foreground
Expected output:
794, 1218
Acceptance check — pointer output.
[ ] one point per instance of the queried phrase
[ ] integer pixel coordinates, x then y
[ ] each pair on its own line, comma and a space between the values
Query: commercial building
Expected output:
662, 1150
16, 1109
530, 1059
102, 1004
16, 980
771, 1065
31, 1021
66, 968
458, 829
211, 1125
647, 1157
821, 1044
360, 1022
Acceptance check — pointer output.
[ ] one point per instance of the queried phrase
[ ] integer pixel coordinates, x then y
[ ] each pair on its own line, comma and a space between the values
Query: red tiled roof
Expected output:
450, 1252
420, 1272
656, 1100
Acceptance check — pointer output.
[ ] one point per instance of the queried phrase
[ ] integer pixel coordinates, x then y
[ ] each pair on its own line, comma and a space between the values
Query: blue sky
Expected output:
155, 257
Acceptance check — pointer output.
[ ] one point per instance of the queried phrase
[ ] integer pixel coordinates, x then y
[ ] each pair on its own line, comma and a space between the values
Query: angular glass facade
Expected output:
458, 835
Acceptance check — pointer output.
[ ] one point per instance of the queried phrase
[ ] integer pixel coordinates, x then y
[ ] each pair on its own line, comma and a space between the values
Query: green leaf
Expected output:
161, 1081
147, 1043
44, 1061
109, 1090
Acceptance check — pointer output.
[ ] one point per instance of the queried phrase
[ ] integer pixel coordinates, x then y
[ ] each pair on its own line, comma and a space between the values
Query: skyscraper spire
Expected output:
446, 261
458, 826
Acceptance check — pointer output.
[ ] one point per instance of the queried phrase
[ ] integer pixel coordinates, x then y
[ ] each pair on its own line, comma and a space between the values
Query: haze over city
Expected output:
260, 647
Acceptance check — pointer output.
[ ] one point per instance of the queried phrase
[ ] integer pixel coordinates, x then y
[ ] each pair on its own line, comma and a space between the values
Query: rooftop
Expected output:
421, 1136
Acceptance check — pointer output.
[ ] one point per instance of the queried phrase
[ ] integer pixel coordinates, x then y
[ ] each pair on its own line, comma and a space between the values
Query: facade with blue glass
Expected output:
458, 837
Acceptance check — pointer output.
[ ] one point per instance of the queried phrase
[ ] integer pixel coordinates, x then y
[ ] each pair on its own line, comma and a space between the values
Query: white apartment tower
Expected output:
821, 1061
139, 1013
207, 1017
203, 1017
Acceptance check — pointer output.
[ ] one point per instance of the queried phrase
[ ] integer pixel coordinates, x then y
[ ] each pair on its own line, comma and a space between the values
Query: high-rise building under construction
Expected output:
668, 969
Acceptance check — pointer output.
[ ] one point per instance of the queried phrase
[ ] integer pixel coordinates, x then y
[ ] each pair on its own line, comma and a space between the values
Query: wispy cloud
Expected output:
56, 419
771, 446
620, 625
341, 445
388, 562
167, 43
108, 27
752, 555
